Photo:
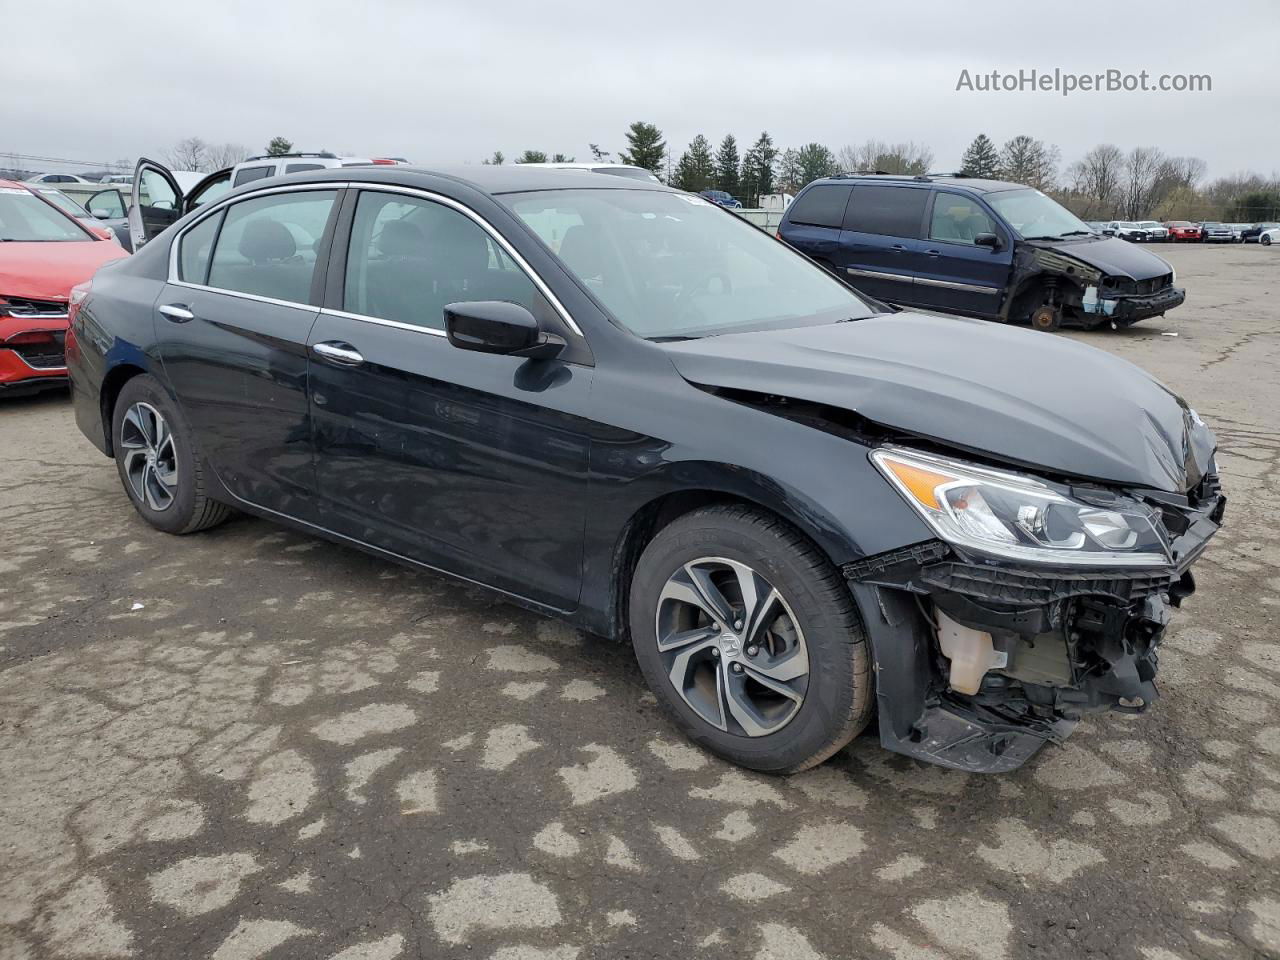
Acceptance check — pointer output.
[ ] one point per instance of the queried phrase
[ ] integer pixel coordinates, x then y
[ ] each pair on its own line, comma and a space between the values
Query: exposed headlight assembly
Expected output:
1019, 517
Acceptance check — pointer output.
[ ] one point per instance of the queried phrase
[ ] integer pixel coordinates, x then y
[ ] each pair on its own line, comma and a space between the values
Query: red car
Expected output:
1183, 230
44, 252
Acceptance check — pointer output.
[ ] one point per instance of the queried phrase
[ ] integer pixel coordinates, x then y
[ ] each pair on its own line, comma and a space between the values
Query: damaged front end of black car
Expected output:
986, 644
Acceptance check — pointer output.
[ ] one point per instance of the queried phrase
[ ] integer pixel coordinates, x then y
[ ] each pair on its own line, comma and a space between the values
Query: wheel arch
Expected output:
112, 384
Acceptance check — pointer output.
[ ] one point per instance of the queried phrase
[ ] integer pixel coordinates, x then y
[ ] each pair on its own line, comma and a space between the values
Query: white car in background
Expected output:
1127, 230
1268, 237
55, 178
1156, 232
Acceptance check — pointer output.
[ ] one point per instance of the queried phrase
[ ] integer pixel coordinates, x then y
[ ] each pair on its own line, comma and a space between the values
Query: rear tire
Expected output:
787, 688
158, 462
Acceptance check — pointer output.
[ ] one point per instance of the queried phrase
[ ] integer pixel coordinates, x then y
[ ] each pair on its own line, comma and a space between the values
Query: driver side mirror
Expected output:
987, 240
496, 326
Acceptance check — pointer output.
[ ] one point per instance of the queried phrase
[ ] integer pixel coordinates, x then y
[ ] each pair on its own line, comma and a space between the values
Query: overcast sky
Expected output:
451, 81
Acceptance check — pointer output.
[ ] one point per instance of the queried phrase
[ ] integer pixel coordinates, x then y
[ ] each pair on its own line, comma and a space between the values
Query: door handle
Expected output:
336, 351
934, 253
898, 248
177, 312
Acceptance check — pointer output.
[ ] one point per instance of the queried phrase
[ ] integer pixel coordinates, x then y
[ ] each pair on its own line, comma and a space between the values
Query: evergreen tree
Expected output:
815, 162
597, 154
561, 158
496, 160
1027, 160
981, 160
727, 161
646, 148
696, 170
532, 156
790, 173
278, 147
757, 169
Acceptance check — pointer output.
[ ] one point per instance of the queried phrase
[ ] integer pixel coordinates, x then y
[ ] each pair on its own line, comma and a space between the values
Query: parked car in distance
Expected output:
1126, 230
55, 178
281, 164
1269, 236
981, 248
1097, 226
1253, 232
1213, 232
64, 203
1156, 232
44, 252
630, 171
1237, 231
1183, 230
667, 428
722, 198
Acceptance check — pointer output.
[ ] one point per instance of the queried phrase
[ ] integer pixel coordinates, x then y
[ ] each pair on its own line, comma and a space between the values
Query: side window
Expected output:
820, 206
154, 192
249, 174
268, 245
196, 249
410, 257
885, 210
958, 219
107, 204
300, 167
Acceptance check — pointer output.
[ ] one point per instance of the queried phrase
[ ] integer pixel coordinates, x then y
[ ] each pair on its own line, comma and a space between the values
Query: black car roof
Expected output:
487, 178
962, 183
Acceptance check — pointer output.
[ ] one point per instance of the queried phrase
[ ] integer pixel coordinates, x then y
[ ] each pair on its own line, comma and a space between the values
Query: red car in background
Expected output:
1183, 230
44, 252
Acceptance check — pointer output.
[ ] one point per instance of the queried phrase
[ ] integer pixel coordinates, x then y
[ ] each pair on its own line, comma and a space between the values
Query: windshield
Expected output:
26, 218
61, 200
1035, 216
671, 265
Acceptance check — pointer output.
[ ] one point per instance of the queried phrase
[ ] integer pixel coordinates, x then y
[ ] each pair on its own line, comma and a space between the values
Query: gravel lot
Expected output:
249, 743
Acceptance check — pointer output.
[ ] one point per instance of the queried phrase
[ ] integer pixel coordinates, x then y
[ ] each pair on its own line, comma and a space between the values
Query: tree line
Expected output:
1107, 183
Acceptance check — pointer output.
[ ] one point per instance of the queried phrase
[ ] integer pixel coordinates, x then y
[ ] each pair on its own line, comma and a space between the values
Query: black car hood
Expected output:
1113, 256
1026, 398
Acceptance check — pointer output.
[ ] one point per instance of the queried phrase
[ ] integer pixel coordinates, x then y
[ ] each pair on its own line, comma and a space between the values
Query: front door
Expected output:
956, 274
233, 332
469, 462
155, 202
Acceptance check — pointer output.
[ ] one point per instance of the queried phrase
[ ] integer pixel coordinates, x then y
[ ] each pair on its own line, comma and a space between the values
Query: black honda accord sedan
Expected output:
619, 404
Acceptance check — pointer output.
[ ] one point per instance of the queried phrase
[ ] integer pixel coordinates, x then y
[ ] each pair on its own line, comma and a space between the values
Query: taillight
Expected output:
383, 160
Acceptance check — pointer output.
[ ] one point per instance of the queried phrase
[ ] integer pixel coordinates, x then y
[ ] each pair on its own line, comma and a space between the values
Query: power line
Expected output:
83, 163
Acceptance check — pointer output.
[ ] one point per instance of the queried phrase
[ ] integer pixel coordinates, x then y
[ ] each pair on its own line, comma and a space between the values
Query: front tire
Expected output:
749, 638
157, 460
1265, 241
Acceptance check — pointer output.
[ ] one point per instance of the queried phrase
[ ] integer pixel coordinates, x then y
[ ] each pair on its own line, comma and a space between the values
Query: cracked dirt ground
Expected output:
249, 743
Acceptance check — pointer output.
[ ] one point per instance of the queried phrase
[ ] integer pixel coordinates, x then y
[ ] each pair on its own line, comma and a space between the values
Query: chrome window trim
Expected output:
382, 322
428, 195
247, 296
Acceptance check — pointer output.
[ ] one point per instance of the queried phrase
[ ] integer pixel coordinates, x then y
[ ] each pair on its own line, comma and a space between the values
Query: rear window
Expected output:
249, 174
820, 206
301, 167
887, 211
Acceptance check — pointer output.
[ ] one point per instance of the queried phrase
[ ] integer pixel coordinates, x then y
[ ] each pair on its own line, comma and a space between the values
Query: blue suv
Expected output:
982, 248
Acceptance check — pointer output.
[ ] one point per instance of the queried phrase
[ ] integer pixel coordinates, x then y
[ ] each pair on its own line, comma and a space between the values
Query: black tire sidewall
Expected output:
832, 646
147, 389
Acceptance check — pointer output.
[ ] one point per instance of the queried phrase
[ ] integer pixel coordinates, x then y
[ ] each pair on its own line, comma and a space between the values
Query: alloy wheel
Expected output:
731, 646
150, 459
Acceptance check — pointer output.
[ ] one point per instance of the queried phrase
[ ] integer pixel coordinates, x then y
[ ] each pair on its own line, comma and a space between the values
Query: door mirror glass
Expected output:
987, 240
496, 326
106, 204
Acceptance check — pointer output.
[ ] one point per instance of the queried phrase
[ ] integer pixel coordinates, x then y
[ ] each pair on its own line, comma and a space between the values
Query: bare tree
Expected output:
909, 158
188, 154
220, 155
1095, 179
1142, 169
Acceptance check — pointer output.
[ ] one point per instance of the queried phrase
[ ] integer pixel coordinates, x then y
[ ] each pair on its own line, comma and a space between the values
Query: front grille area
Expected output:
42, 356
36, 309
1138, 288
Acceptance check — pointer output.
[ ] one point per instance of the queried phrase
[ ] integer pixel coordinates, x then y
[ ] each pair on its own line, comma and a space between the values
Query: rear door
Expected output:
232, 326
469, 462
881, 250
957, 275
154, 203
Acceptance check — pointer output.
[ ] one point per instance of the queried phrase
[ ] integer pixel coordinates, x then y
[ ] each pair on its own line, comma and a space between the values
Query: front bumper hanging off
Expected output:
1051, 644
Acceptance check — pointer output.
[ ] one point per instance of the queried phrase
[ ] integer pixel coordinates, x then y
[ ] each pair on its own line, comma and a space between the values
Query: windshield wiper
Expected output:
670, 339
1042, 238
1078, 233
